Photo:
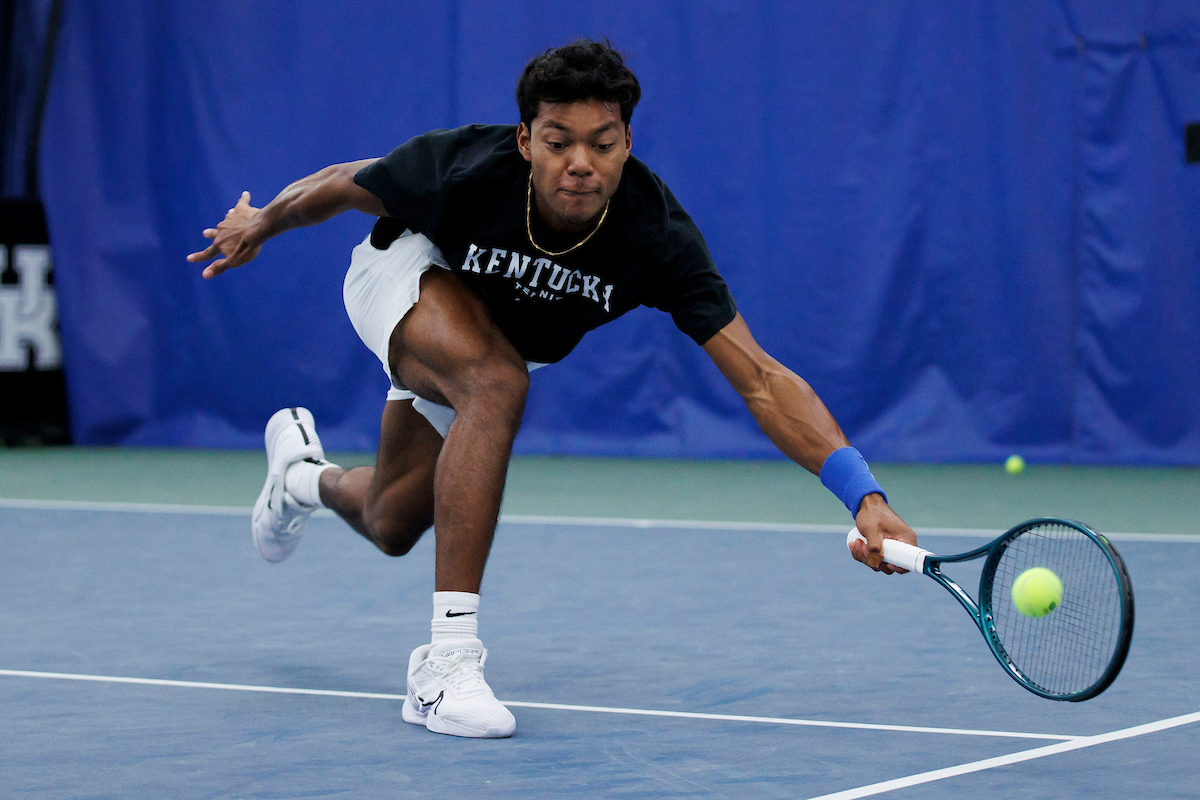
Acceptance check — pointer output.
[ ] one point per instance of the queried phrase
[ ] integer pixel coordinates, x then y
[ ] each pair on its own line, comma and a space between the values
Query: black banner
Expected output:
33, 399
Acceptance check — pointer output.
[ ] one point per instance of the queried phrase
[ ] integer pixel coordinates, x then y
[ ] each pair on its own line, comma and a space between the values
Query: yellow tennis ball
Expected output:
1015, 465
1036, 592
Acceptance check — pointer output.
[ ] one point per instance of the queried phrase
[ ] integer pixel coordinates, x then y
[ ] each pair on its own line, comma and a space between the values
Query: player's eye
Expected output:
604, 147
556, 145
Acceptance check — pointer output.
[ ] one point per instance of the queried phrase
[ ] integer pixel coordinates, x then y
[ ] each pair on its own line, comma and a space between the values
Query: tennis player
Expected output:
496, 249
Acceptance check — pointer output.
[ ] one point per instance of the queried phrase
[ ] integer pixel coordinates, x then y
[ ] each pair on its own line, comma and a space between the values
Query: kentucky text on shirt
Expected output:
559, 281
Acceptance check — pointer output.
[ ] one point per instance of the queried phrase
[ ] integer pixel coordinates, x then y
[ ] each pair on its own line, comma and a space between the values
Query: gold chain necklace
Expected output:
529, 225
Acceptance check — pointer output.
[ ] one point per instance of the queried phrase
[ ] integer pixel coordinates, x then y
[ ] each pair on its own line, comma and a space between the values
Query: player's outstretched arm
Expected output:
240, 236
797, 422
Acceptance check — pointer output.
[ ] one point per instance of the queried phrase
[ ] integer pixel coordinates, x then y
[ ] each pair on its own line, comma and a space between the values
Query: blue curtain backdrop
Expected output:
969, 225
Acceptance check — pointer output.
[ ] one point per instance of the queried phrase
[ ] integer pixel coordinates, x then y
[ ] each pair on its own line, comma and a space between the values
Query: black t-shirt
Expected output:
466, 189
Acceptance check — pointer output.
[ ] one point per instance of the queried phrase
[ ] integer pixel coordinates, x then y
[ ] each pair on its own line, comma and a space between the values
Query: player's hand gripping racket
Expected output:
1075, 650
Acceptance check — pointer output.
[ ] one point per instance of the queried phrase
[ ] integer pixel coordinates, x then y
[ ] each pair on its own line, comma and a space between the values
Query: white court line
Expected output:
1012, 758
141, 508
590, 522
786, 721
787, 527
235, 687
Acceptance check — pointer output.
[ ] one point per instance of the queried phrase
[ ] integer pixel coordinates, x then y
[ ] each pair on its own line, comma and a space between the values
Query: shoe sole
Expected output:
438, 725
433, 722
278, 423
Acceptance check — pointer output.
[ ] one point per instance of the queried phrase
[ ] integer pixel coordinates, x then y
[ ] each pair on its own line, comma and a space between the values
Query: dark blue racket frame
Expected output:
981, 612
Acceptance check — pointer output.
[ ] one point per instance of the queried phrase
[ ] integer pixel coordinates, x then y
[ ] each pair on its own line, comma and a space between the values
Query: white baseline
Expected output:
237, 687
587, 522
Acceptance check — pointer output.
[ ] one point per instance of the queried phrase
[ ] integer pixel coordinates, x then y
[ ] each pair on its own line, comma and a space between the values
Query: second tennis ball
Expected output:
1015, 465
1036, 592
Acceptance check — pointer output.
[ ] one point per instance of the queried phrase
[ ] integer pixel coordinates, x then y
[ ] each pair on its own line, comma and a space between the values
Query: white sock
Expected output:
303, 480
455, 616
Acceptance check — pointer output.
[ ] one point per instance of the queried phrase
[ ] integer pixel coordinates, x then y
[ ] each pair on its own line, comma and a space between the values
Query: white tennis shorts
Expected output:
380, 288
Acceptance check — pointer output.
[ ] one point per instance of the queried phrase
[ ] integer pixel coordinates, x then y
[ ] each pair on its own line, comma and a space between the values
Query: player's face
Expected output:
577, 152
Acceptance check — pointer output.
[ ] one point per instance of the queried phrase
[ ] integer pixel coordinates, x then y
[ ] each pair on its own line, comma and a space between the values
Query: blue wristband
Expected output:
847, 475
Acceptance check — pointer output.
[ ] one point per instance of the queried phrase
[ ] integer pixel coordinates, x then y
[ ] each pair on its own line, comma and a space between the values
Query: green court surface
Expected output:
1111, 499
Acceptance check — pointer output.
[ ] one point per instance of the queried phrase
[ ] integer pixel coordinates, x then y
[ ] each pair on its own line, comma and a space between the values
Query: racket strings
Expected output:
1070, 649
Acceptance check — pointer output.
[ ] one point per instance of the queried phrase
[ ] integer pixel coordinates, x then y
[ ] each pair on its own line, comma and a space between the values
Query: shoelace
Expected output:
464, 677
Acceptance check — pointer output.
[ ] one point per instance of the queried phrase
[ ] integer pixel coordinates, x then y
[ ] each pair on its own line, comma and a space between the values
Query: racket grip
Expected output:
895, 552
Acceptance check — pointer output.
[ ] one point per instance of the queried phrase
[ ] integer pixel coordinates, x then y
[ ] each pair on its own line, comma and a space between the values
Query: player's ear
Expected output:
628, 137
523, 141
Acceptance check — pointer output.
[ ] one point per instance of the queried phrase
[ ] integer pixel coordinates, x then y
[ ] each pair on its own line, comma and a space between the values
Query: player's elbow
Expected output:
337, 179
761, 382
334, 191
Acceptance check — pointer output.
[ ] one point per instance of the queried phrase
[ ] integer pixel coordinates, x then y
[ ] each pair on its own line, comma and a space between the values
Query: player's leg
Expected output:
448, 350
391, 503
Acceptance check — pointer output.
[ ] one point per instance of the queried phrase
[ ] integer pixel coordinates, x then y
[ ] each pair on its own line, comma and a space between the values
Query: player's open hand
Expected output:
876, 521
234, 239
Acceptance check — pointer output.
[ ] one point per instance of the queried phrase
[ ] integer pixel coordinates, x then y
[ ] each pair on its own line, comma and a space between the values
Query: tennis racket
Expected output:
1074, 652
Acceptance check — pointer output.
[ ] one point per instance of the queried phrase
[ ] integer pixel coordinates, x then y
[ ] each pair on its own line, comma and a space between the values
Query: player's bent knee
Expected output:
500, 384
400, 543
397, 547
395, 538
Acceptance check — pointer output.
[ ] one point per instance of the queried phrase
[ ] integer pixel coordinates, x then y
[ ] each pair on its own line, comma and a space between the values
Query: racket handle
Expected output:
895, 552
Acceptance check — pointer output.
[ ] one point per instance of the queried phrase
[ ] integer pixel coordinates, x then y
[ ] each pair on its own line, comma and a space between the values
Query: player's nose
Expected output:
580, 162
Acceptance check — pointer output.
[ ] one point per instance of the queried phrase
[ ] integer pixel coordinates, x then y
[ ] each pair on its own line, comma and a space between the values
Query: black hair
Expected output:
581, 70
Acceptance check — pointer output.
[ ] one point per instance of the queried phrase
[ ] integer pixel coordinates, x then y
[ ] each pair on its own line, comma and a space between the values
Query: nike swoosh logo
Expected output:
425, 704
458, 613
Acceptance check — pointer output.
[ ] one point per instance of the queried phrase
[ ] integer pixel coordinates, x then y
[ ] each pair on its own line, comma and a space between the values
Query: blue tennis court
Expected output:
148, 652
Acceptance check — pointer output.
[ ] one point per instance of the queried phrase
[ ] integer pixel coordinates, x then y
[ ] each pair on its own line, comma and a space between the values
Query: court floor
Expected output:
147, 652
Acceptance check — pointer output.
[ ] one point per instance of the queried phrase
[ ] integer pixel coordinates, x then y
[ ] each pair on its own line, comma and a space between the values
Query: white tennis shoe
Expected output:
279, 518
447, 692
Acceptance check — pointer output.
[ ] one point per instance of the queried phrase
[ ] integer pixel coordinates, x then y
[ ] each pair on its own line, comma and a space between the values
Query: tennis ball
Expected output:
1015, 465
1036, 592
